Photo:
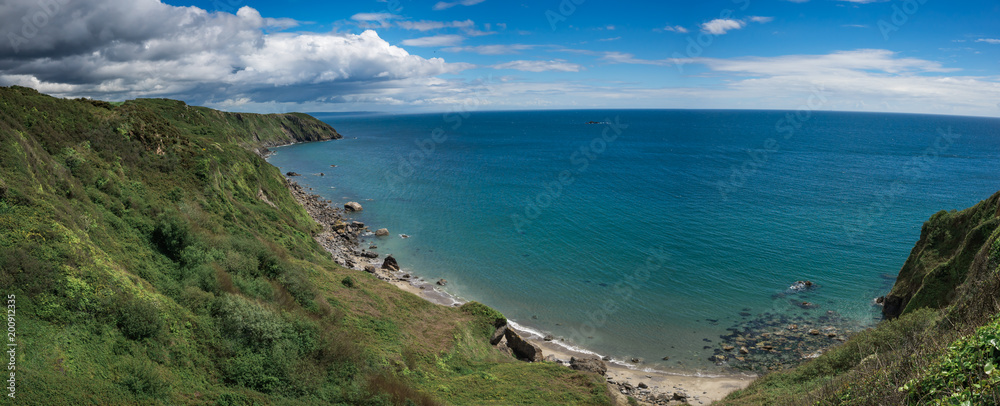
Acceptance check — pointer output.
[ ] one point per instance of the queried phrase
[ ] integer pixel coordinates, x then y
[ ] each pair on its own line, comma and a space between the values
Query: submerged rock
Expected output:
382, 232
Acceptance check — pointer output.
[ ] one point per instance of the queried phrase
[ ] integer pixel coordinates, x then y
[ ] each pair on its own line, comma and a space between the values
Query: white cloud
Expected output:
117, 49
676, 28
989, 40
424, 25
504, 49
720, 26
762, 20
557, 65
610, 39
442, 5
379, 19
435, 41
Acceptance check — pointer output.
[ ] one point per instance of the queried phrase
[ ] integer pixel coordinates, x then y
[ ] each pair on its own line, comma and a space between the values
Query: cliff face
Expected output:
940, 262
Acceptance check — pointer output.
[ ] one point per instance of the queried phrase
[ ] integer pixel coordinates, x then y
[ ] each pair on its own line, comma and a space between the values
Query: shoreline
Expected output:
343, 239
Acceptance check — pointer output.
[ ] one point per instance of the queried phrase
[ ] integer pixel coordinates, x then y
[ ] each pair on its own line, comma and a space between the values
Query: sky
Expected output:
913, 56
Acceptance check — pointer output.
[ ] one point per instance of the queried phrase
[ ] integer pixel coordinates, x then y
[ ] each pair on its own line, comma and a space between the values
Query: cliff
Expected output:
150, 256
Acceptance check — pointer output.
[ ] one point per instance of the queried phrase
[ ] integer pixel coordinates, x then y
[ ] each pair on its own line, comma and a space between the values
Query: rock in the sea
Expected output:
390, 264
523, 349
744, 350
292, 174
666, 358
353, 206
369, 254
357, 224
814, 332
442, 282
728, 347
382, 232
549, 337
588, 365
498, 335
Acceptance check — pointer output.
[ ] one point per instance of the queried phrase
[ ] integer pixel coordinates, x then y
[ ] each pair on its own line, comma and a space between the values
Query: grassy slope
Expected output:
937, 350
147, 271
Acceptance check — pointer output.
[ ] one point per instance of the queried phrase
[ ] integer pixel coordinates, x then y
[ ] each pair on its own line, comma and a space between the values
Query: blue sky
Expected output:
919, 56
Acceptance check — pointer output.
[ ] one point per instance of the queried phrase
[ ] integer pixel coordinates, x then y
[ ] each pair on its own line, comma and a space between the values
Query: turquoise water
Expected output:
647, 233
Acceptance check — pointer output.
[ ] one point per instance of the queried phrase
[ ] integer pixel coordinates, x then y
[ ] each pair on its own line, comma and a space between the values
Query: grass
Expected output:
147, 271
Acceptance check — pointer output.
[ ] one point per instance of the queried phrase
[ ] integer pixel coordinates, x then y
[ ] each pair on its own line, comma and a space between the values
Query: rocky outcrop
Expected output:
498, 335
382, 232
523, 349
390, 264
593, 365
353, 206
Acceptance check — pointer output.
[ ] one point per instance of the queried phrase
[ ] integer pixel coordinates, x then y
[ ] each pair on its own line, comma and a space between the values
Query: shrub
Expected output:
248, 322
138, 319
348, 282
171, 234
143, 379
252, 370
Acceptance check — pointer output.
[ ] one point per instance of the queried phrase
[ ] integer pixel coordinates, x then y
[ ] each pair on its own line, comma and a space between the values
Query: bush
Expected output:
138, 319
348, 282
248, 322
143, 379
171, 235
252, 370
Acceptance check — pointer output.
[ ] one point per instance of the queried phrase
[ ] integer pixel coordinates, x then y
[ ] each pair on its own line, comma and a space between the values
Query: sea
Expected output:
649, 234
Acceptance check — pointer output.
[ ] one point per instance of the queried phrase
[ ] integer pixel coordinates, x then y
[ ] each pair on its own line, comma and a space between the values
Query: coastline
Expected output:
343, 239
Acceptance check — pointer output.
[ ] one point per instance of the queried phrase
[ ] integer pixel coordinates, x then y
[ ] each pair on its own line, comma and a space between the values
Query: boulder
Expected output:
370, 268
549, 337
357, 224
390, 264
681, 396
292, 174
498, 335
522, 348
588, 365
382, 232
442, 282
369, 254
353, 206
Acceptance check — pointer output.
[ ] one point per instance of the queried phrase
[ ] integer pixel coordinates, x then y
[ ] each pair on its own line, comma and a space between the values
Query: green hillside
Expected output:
941, 343
155, 258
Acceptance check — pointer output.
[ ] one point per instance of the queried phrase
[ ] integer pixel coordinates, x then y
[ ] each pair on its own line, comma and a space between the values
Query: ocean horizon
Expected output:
652, 234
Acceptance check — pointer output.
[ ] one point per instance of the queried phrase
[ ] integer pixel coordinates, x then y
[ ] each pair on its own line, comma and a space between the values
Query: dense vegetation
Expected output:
942, 342
156, 259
